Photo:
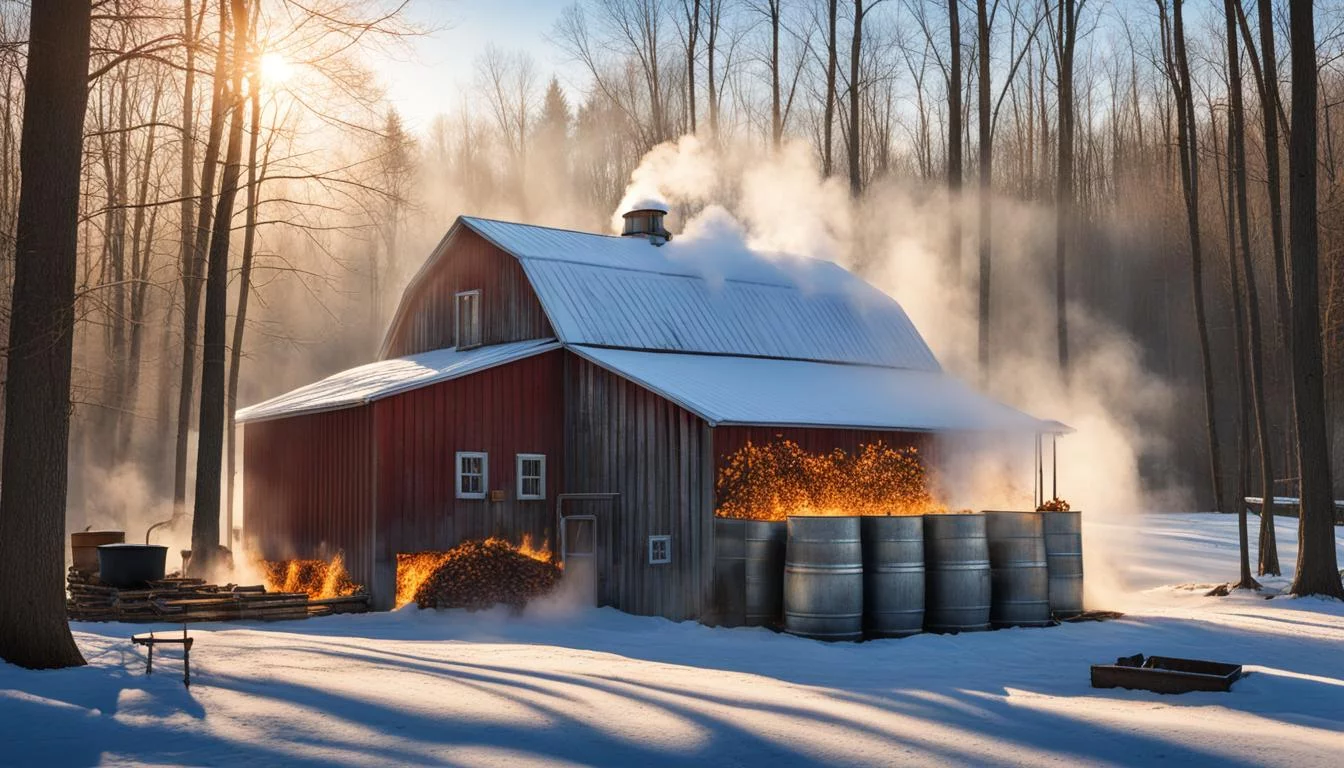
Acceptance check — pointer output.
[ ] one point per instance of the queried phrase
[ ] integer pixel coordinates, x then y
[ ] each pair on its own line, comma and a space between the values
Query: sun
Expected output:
274, 68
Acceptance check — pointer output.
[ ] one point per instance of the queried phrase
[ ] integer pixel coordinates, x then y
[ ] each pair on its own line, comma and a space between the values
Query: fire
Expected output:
319, 579
775, 480
414, 569
543, 553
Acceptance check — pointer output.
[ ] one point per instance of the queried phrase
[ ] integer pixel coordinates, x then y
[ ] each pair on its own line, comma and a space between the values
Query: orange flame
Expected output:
318, 579
543, 553
413, 570
775, 480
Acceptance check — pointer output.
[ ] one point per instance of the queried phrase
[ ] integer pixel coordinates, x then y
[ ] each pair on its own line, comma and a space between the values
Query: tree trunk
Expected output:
986, 170
210, 441
34, 632
240, 319
1246, 581
1187, 137
828, 121
192, 270
954, 133
776, 115
1317, 567
855, 131
1068, 24
1255, 355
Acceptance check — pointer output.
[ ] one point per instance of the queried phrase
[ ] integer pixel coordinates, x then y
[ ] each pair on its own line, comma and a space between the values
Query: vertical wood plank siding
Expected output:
510, 310
621, 438
307, 488
503, 411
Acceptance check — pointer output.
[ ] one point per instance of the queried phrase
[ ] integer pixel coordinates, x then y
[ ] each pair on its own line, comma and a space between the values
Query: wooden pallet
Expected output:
189, 600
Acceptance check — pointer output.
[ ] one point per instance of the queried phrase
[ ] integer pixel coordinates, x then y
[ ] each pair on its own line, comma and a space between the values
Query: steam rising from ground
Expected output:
898, 238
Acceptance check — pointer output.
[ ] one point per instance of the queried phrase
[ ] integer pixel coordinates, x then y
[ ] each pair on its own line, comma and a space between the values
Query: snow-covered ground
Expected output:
601, 687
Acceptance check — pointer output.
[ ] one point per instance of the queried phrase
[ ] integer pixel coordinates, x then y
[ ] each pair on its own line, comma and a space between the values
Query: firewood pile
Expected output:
185, 600
480, 574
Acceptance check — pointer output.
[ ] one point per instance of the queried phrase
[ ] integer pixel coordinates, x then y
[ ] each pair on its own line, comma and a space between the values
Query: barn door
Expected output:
578, 552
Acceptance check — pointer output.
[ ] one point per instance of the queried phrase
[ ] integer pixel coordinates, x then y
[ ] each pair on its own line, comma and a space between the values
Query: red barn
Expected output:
536, 378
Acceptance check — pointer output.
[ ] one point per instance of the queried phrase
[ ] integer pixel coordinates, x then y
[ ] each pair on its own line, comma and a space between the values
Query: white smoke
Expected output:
775, 205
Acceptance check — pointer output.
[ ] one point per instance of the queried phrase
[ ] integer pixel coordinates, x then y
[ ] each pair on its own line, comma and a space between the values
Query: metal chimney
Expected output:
645, 219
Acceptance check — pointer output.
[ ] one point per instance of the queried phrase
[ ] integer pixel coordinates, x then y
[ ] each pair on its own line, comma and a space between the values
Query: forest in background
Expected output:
850, 130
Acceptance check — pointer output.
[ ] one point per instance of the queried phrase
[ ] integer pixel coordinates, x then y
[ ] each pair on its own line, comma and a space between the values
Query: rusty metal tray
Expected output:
1164, 674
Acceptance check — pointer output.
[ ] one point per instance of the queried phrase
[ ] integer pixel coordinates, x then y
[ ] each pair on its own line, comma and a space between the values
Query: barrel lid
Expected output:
123, 545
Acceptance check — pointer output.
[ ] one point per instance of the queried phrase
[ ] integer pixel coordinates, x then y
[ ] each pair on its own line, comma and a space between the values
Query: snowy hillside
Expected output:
601, 687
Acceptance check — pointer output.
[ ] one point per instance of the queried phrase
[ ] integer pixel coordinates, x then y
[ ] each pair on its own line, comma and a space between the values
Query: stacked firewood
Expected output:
184, 600
479, 574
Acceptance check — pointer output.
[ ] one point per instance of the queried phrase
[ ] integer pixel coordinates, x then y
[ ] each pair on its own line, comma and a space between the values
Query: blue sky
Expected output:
430, 78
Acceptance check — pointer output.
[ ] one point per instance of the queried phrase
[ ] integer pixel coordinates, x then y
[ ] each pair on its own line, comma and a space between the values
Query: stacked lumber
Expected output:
187, 600
479, 574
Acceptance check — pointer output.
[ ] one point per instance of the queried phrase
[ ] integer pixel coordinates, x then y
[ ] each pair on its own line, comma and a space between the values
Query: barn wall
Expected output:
307, 488
503, 411
624, 439
510, 310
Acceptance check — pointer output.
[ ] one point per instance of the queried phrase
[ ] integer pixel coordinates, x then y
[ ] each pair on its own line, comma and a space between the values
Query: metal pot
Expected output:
130, 565
84, 547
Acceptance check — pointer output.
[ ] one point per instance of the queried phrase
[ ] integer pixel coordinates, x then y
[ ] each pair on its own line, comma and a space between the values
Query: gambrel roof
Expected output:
686, 296
729, 334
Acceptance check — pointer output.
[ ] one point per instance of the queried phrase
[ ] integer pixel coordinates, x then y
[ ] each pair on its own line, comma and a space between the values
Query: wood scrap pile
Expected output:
184, 600
319, 579
479, 574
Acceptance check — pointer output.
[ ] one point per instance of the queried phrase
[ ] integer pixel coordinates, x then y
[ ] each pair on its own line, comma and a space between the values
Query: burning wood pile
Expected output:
774, 480
318, 579
188, 600
476, 575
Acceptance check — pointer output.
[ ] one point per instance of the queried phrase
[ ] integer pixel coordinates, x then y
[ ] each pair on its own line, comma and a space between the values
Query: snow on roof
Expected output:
708, 294
761, 391
385, 378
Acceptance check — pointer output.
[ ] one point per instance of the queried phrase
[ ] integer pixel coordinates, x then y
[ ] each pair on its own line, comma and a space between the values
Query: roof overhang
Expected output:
365, 384
731, 391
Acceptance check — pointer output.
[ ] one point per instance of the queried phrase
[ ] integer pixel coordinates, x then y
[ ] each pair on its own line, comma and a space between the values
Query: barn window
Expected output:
468, 319
472, 472
660, 550
531, 476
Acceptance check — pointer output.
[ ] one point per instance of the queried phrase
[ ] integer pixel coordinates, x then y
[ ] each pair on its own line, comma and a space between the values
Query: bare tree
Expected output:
982, 22
1317, 567
1177, 66
210, 448
33, 628
1252, 298
954, 128
1066, 41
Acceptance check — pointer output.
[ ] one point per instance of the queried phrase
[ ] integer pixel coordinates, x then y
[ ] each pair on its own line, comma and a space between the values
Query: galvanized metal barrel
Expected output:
956, 573
764, 544
1018, 572
730, 572
1064, 561
823, 578
893, 575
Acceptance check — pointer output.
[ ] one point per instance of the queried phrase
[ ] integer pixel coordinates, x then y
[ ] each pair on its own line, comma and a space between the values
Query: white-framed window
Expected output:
531, 473
468, 305
473, 474
660, 550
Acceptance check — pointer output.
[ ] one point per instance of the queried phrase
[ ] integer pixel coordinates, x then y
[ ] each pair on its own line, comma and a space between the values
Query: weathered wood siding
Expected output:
510, 310
308, 488
503, 411
621, 438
